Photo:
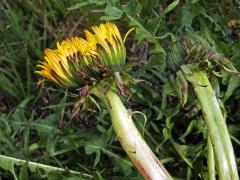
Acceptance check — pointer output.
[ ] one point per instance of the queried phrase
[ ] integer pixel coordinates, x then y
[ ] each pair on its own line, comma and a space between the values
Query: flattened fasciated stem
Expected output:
132, 142
217, 128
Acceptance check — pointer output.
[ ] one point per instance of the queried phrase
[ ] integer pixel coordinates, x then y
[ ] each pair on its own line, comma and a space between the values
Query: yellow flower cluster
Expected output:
77, 60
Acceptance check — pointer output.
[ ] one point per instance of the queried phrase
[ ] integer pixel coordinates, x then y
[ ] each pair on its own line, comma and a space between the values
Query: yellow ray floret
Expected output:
77, 60
62, 65
56, 68
109, 45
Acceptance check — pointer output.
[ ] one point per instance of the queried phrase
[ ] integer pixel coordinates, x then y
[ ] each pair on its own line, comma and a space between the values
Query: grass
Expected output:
36, 122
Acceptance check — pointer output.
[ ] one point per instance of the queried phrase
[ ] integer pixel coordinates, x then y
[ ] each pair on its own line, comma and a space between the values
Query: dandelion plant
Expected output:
94, 66
191, 63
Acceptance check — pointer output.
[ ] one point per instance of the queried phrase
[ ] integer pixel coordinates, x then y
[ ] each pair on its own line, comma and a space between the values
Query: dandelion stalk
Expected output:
211, 161
196, 60
216, 125
92, 65
132, 141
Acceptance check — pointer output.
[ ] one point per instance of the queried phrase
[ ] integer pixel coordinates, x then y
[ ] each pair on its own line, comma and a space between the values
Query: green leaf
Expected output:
124, 164
8, 166
112, 13
23, 175
158, 20
86, 3
236, 48
182, 150
198, 124
234, 83
132, 8
97, 144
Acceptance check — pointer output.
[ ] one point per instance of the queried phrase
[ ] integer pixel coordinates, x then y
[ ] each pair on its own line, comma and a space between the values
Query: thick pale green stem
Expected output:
217, 128
211, 161
132, 142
